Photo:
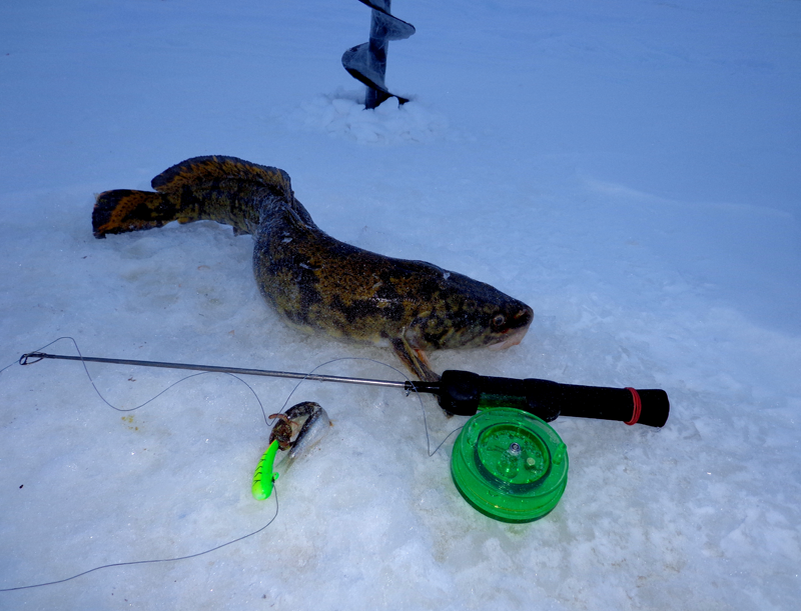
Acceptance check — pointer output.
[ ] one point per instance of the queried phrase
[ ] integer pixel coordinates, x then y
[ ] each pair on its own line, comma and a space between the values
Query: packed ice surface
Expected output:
627, 168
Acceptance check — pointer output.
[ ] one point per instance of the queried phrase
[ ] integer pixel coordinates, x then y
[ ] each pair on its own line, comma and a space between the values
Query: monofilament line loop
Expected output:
156, 561
34, 357
310, 374
26, 360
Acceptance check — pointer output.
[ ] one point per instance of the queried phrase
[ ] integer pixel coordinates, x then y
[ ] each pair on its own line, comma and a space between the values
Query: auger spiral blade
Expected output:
367, 62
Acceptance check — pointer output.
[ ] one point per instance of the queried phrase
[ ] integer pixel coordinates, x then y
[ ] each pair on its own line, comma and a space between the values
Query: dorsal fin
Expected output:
198, 171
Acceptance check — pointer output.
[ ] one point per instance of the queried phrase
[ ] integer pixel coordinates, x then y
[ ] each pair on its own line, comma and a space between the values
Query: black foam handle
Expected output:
464, 392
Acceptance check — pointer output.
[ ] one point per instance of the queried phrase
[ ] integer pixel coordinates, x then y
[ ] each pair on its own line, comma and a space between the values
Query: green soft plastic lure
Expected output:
313, 423
264, 476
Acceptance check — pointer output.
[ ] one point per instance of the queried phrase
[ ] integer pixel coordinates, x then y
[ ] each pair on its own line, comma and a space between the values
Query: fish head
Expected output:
472, 314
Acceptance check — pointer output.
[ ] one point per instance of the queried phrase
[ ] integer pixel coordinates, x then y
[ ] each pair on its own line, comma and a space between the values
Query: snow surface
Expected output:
629, 168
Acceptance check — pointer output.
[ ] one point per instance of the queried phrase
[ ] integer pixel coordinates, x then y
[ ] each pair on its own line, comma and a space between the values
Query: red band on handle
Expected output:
635, 416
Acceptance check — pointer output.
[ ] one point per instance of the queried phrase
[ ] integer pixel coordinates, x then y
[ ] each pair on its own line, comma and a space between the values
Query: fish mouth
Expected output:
511, 338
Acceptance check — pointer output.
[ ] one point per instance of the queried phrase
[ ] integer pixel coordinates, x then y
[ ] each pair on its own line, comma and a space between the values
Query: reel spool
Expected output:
509, 465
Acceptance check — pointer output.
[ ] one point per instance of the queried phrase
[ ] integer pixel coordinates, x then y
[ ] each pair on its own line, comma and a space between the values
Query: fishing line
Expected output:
156, 561
400, 373
153, 398
119, 409
266, 421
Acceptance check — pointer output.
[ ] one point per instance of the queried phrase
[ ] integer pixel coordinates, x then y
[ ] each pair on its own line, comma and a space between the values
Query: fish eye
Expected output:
498, 321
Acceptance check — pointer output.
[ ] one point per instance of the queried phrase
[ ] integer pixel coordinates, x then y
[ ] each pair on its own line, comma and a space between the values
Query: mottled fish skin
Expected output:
316, 282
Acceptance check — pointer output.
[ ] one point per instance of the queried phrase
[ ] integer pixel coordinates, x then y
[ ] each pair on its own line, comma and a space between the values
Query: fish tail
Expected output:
217, 188
123, 210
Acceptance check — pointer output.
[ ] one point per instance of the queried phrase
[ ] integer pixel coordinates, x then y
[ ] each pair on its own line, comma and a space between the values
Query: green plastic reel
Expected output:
509, 465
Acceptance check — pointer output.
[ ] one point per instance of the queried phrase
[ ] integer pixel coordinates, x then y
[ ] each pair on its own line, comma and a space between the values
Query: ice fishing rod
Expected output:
464, 393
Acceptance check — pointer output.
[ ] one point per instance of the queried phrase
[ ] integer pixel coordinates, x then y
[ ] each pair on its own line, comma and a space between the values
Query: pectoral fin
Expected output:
415, 360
